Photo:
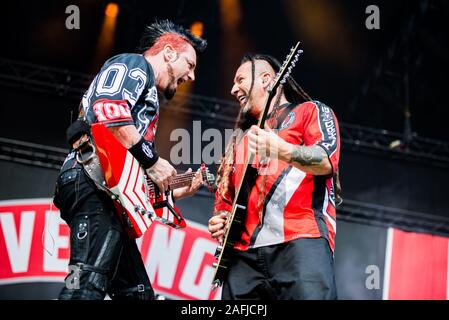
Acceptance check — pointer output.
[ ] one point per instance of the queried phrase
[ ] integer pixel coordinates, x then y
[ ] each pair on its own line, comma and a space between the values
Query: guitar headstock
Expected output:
287, 66
281, 78
208, 178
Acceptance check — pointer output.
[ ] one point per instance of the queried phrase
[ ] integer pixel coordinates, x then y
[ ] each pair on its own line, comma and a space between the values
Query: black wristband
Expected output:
144, 153
76, 130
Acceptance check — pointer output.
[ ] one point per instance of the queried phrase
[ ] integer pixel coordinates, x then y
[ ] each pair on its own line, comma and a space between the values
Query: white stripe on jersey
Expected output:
329, 218
272, 231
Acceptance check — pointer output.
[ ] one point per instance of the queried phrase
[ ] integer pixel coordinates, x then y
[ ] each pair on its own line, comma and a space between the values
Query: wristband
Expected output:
76, 130
144, 153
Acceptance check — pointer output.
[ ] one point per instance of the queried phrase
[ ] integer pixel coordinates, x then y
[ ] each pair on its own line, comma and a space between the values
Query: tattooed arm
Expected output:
311, 159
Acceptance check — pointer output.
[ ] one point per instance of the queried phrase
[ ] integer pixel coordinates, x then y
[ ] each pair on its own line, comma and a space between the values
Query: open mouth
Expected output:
242, 99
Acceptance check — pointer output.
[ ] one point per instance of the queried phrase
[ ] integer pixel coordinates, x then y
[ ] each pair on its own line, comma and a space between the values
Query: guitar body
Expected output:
128, 184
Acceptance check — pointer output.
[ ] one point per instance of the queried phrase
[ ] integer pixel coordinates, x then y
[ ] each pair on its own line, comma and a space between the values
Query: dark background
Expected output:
356, 71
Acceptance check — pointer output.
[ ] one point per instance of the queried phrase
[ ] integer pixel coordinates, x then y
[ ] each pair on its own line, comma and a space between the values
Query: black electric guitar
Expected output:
225, 251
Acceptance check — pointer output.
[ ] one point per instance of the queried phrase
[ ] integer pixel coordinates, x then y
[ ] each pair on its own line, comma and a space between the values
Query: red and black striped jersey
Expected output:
286, 203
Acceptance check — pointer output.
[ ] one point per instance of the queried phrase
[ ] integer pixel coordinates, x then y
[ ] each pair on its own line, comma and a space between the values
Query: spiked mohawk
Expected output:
159, 28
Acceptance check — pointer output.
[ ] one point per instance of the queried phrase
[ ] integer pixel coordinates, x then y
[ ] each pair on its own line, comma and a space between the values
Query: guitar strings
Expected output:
180, 180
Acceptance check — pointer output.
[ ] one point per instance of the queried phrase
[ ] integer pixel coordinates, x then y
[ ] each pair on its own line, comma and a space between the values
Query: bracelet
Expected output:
144, 153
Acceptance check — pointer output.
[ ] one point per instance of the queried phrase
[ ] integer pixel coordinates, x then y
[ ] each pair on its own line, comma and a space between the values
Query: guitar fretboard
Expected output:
182, 180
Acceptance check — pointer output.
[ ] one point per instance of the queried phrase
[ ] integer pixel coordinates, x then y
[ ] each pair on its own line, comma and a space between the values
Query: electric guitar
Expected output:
136, 197
225, 252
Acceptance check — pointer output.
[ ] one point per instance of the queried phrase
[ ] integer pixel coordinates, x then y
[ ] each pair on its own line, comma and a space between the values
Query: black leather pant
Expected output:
103, 260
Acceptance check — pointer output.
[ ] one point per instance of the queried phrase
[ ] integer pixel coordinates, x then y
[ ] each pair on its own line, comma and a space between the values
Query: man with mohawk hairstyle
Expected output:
284, 248
106, 261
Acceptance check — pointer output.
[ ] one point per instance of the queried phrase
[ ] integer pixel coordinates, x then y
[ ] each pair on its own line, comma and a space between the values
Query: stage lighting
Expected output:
106, 39
197, 28
395, 144
112, 10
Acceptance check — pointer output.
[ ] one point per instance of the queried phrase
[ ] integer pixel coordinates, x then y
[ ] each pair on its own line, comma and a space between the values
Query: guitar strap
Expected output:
87, 157
285, 112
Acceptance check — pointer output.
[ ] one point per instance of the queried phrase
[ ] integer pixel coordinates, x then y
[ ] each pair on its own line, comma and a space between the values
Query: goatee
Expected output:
170, 91
246, 119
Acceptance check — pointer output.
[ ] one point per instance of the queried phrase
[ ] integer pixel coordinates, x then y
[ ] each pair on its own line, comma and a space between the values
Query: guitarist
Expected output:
124, 96
286, 246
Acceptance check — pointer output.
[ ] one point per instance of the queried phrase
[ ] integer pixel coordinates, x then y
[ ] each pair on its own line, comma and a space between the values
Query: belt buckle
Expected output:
140, 288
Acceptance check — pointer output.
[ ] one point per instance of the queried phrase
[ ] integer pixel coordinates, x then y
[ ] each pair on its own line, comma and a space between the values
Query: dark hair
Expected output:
162, 27
292, 90
294, 94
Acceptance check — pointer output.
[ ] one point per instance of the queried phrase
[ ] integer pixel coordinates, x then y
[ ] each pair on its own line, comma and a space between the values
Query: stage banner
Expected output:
416, 266
34, 247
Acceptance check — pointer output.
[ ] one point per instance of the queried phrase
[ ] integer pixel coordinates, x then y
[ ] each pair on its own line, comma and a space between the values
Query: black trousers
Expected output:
296, 270
103, 260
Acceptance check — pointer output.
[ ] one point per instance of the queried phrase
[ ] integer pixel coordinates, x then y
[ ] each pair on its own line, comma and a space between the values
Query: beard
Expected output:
246, 117
247, 107
170, 91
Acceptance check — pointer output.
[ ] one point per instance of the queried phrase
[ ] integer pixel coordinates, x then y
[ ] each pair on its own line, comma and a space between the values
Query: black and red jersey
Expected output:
286, 203
124, 93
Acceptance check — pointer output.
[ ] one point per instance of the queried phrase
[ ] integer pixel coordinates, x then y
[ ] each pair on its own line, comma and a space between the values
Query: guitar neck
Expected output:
182, 180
